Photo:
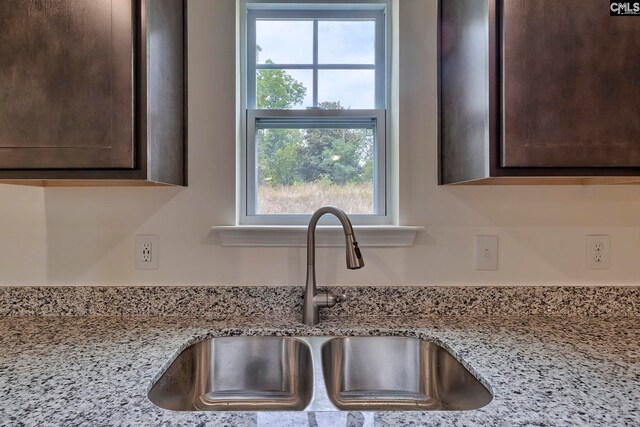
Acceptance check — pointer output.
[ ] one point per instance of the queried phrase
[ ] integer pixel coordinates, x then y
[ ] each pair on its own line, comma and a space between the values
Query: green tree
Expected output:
285, 165
278, 152
278, 148
341, 160
277, 90
338, 156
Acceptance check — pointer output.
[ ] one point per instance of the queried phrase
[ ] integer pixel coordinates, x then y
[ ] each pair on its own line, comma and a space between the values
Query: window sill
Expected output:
380, 236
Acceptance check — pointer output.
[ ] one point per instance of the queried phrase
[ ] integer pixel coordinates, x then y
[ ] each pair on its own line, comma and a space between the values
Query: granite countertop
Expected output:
94, 371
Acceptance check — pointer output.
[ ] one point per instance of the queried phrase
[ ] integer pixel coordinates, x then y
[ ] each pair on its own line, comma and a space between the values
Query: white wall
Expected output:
85, 236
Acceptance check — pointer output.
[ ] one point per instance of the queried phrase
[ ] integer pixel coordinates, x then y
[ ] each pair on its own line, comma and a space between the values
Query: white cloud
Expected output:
346, 42
353, 88
285, 42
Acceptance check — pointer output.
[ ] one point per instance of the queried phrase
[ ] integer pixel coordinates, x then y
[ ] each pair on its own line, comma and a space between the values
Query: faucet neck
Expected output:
313, 224
313, 300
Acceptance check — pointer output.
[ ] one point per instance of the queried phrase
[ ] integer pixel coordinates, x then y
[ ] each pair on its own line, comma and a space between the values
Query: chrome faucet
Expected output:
313, 300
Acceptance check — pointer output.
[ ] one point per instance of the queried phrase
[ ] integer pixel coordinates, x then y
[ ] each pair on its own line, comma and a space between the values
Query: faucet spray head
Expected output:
354, 256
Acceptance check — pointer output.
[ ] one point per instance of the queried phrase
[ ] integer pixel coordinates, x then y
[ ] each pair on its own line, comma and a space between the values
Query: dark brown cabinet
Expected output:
92, 91
538, 91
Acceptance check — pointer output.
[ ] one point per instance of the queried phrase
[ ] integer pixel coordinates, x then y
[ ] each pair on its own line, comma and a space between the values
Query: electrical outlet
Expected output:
146, 252
598, 252
486, 253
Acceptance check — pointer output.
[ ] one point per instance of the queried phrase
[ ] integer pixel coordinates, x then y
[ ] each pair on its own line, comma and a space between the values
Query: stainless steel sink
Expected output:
238, 374
317, 374
397, 373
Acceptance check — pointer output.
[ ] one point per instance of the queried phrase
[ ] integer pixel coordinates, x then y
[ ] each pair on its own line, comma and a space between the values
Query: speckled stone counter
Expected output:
283, 302
95, 371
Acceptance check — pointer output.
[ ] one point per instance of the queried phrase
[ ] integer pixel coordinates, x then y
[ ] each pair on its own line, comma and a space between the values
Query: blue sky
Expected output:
352, 42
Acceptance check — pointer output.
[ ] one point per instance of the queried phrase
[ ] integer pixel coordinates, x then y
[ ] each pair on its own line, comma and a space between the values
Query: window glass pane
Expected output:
348, 89
346, 42
300, 170
284, 42
284, 89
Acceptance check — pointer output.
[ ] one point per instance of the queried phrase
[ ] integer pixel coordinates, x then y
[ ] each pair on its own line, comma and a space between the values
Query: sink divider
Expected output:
320, 396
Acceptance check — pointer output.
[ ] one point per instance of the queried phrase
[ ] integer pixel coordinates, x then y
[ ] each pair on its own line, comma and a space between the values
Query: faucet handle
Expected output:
328, 299
333, 299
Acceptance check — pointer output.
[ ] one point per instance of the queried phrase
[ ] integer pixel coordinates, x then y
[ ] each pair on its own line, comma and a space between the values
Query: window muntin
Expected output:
343, 99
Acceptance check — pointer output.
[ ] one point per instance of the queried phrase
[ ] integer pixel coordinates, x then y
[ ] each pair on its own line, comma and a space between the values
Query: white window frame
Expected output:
250, 115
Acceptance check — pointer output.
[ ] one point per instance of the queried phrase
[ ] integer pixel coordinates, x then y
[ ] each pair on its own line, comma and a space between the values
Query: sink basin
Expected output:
238, 374
397, 373
317, 374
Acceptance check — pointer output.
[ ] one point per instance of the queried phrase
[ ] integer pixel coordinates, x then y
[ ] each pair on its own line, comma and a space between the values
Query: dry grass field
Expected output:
306, 198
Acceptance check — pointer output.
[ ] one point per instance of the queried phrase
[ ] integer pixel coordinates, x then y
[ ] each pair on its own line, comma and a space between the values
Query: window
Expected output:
314, 111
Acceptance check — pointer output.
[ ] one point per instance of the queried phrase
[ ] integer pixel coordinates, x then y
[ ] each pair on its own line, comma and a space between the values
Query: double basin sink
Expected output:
251, 373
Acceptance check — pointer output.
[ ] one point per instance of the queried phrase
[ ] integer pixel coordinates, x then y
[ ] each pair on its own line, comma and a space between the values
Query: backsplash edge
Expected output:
285, 302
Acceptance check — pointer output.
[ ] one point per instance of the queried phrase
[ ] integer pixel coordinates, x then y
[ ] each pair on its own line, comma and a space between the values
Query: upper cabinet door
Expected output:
66, 84
571, 85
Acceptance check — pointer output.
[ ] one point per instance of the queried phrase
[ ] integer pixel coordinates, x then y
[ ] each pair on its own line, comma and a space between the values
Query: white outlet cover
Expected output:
146, 262
486, 253
598, 252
